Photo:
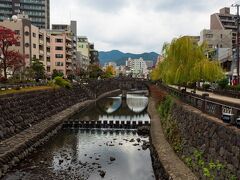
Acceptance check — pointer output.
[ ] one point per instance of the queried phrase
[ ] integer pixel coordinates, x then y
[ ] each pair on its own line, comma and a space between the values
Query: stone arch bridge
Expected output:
97, 87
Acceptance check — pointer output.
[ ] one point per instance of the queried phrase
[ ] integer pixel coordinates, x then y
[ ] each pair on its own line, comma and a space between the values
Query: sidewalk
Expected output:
214, 96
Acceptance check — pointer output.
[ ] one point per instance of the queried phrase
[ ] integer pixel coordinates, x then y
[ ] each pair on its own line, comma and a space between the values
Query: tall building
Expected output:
37, 10
86, 51
61, 52
93, 54
71, 31
83, 45
224, 20
138, 67
219, 43
34, 43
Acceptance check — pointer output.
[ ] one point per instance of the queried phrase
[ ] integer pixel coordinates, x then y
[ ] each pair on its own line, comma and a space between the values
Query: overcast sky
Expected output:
136, 25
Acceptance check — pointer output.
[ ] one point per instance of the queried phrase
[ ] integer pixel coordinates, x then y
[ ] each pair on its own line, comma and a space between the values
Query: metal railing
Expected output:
227, 111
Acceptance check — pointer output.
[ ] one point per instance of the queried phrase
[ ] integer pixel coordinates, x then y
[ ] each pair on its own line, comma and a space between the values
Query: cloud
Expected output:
136, 25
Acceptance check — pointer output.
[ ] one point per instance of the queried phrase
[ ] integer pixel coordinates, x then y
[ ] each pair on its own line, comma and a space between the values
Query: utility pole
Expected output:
237, 42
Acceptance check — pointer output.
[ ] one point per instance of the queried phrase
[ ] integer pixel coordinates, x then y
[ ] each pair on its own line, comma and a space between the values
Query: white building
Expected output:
138, 68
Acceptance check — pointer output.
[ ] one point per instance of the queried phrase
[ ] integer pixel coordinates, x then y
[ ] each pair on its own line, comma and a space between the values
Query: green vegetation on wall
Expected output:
169, 124
210, 170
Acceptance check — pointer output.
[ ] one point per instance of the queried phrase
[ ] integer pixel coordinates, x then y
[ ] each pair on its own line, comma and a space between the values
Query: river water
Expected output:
112, 154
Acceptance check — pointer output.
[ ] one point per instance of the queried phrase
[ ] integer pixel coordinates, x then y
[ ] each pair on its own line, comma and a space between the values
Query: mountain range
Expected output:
120, 57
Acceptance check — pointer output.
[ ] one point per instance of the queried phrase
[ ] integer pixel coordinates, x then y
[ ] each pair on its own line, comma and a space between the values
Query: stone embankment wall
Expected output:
218, 141
166, 163
21, 111
18, 147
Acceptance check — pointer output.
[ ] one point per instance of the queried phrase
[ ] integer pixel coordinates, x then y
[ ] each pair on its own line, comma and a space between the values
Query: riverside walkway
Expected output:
213, 95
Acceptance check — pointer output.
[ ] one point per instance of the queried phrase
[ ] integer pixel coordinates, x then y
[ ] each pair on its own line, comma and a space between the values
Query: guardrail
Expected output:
229, 93
4, 87
227, 111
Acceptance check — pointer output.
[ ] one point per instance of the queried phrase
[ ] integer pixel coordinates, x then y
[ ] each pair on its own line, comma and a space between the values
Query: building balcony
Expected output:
230, 26
41, 52
41, 42
68, 60
68, 53
48, 54
69, 68
69, 46
68, 39
49, 64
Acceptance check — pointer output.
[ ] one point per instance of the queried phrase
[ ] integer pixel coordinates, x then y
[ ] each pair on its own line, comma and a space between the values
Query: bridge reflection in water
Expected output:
132, 108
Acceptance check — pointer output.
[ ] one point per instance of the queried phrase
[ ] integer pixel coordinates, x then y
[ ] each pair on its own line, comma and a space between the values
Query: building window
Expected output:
26, 33
34, 34
59, 48
58, 55
17, 32
34, 46
17, 44
34, 57
221, 36
209, 35
59, 63
26, 45
59, 40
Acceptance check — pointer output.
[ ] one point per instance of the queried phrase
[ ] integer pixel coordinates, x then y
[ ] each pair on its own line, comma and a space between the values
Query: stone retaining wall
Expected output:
18, 147
166, 163
21, 111
217, 140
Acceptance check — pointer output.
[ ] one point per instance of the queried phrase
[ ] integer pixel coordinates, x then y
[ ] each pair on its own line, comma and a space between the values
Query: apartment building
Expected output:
83, 45
82, 61
216, 38
71, 31
37, 10
34, 43
219, 42
224, 20
61, 52
93, 54
44, 50
138, 67
87, 51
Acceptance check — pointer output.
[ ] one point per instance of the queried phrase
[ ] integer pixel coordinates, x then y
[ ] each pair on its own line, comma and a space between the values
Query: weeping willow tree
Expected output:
185, 62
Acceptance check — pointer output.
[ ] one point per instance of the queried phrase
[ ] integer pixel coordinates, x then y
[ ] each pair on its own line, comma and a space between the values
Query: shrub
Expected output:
3, 79
165, 107
56, 74
206, 86
62, 82
223, 83
238, 87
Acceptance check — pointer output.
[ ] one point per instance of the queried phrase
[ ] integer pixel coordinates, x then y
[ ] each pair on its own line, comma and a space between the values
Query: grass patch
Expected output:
26, 89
